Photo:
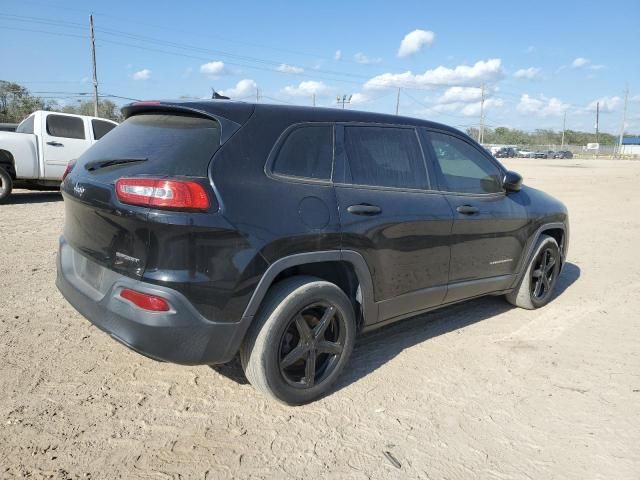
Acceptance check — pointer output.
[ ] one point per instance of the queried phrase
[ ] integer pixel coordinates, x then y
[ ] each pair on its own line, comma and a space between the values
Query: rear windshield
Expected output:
167, 144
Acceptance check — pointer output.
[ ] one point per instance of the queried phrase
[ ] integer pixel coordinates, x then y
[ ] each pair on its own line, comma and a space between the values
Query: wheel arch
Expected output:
345, 268
8, 163
556, 230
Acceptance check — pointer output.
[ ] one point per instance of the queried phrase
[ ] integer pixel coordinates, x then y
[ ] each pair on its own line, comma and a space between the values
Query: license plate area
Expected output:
90, 272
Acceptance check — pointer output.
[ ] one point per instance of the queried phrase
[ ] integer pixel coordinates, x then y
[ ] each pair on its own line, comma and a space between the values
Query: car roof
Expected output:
239, 112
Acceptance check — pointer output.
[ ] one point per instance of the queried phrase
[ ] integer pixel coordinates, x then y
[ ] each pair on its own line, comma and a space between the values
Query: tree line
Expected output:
513, 136
16, 103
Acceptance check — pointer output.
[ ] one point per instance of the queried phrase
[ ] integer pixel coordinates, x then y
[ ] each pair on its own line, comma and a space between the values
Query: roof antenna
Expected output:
216, 96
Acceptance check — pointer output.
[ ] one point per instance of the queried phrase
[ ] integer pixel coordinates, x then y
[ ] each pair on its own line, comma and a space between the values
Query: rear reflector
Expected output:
145, 301
162, 193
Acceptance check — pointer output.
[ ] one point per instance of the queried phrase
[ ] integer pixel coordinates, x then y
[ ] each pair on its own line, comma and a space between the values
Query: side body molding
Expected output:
369, 307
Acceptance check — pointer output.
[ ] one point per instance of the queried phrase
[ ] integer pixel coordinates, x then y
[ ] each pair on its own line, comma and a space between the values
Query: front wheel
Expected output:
536, 288
300, 341
6, 184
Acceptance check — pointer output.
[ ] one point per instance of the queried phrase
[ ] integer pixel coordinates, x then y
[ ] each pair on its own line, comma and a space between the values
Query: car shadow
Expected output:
20, 198
374, 349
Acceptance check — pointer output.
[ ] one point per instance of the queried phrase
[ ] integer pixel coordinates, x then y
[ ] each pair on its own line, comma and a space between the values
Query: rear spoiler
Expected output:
227, 127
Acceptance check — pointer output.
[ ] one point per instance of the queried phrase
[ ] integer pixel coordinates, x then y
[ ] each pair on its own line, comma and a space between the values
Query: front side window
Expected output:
462, 168
65, 126
101, 128
385, 157
307, 152
26, 126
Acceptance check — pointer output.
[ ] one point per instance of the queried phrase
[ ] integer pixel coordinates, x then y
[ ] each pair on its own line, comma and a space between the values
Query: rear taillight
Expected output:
145, 301
162, 193
67, 170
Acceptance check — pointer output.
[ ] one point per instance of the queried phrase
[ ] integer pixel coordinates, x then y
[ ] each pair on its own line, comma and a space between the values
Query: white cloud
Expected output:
528, 73
468, 109
482, 71
541, 106
338, 55
284, 68
596, 67
243, 88
579, 62
415, 41
144, 74
359, 98
460, 94
213, 69
531, 49
306, 88
362, 58
607, 104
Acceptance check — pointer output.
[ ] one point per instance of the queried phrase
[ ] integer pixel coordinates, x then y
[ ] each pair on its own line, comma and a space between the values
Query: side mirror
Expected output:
512, 182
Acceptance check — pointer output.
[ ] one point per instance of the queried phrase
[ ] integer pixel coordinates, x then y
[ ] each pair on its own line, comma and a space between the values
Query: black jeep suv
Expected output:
195, 231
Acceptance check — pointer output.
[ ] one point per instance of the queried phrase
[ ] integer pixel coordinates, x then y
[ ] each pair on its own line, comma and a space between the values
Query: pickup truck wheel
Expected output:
536, 288
6, 184
300, 340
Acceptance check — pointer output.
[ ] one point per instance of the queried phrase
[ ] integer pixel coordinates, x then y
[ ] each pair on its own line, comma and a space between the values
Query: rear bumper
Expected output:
181, 335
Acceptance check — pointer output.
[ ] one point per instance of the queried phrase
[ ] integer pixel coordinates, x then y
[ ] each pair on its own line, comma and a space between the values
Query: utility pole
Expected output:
257, 95
398, 101
481, 129
95, 74
564, 127
313, 97
344, 99
624, 120
597, 122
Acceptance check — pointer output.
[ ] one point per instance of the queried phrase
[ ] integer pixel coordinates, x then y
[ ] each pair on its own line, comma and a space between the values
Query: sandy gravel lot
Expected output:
479, 390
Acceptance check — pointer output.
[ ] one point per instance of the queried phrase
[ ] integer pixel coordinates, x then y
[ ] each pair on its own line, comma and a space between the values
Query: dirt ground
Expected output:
478, 390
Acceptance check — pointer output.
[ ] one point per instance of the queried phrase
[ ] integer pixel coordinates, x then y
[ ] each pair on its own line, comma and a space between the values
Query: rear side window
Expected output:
101, 128
26, 126
385, 156
463, 168
307, 152
166, 144
65, 126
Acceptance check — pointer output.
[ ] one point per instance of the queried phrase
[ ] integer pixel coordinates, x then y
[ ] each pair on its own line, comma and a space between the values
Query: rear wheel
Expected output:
536, 288
300, 340
6, 184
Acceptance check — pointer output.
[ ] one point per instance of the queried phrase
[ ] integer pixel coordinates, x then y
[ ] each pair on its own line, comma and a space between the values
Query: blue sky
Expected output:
536, 60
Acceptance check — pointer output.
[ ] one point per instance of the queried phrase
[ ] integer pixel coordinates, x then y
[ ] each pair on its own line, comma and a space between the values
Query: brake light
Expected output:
162, 193
145, 301
67, 170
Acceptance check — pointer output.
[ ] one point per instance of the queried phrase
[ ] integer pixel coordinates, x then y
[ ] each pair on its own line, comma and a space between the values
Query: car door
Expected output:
64, 139
390, 215
490, 226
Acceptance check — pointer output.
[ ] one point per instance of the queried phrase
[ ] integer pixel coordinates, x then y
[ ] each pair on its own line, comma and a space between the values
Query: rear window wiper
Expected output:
98, 164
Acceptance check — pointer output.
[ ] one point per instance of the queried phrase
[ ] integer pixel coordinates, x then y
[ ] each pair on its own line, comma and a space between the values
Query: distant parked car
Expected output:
506, 152
526, 153
544, 154
563, 154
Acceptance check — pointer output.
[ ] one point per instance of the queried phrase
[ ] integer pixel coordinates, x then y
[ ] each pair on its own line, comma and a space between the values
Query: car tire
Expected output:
300, 340
6, 184
536, 287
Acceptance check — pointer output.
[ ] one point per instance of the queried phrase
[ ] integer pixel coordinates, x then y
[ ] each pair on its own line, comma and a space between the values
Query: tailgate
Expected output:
160, 144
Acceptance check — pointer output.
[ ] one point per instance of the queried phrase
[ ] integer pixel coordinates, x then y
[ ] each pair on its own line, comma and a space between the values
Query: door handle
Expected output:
467, 209
364, 209
55, 144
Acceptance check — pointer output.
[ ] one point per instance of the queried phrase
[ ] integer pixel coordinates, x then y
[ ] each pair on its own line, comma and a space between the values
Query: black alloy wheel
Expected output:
312, 344
543, 274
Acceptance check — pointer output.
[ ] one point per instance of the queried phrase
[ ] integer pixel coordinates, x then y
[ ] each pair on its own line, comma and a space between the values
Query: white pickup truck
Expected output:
36, 155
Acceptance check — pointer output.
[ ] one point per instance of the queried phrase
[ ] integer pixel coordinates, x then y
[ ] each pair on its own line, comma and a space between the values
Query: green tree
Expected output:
16, 102
106, 109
